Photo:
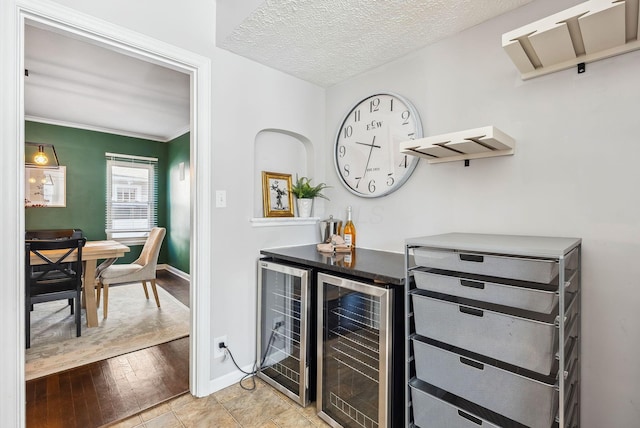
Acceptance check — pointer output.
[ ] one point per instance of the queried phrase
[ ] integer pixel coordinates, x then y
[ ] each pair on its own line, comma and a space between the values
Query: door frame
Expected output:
146, 48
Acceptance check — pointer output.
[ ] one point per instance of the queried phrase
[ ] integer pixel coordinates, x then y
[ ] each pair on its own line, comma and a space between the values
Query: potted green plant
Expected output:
305, 192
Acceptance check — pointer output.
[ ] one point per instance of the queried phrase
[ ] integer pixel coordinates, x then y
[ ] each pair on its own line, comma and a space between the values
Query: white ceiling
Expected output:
75, 83
328, 41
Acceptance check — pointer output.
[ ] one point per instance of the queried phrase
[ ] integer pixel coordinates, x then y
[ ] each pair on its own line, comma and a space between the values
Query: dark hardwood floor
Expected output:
107, 391
174, 285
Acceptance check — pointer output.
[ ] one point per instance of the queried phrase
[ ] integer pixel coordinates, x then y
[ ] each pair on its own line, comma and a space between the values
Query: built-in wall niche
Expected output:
286, 152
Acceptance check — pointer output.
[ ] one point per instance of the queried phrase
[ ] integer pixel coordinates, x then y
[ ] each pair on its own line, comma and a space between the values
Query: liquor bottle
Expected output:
349, 231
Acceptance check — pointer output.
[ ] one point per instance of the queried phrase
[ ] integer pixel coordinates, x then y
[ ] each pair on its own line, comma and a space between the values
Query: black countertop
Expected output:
381, 267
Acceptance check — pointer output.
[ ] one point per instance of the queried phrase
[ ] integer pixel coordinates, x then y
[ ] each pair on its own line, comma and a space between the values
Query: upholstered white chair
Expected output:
141, 270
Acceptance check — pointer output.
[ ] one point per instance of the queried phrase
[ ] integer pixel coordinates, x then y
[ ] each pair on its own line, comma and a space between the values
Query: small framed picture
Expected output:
277, 200
45, 187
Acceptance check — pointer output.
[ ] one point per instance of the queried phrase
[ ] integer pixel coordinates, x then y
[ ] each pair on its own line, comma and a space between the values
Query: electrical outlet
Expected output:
218, 352
277, 322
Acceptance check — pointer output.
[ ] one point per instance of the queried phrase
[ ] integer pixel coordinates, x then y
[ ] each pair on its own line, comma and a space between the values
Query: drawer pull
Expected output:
471, 258
471, 311
470, 418
472, 363
472, 284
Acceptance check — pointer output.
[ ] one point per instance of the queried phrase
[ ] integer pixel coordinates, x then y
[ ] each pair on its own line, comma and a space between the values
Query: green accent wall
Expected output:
179, 203
83, 153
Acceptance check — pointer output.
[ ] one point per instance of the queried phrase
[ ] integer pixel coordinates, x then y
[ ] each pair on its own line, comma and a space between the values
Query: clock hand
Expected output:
372, 145
365, 144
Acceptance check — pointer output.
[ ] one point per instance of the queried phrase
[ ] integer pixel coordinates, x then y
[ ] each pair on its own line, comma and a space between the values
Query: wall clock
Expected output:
367, 155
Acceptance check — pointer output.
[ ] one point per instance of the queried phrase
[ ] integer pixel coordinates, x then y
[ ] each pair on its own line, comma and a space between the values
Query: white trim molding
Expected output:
229, 379
177, 272
13, 16
12, 387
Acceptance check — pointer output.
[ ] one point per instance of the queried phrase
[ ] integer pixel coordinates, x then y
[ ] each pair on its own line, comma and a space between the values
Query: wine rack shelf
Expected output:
588, 32
475, 143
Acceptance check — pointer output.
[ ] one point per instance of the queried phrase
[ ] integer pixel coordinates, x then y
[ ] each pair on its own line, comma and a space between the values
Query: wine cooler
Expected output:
354, 353
285, 334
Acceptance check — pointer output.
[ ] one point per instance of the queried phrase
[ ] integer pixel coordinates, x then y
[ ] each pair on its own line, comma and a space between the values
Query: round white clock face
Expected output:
367, 155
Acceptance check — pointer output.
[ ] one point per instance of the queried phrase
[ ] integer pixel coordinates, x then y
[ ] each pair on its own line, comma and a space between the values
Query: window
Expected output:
132, 197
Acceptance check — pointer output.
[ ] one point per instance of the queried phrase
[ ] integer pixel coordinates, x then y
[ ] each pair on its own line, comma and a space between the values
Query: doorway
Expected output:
199, 70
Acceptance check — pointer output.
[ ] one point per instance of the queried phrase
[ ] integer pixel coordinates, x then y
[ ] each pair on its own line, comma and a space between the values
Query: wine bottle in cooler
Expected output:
349, 231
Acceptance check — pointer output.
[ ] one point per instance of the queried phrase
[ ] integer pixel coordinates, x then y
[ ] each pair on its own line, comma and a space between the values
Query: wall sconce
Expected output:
41, 155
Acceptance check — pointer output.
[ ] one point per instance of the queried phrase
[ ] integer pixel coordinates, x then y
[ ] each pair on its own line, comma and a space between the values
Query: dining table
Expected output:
92, 252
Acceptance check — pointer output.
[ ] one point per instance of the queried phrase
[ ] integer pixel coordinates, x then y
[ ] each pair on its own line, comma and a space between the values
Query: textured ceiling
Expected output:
328, 41
75, 83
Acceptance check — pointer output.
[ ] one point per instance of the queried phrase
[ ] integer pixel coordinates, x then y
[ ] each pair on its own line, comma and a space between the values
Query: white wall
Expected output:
251, 98
247, 98
574, 173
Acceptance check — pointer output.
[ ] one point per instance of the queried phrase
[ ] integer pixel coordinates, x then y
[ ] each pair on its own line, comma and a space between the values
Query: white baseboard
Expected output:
227, 380
174, 271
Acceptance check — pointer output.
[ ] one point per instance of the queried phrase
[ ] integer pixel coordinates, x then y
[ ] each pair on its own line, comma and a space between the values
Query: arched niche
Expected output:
282, 151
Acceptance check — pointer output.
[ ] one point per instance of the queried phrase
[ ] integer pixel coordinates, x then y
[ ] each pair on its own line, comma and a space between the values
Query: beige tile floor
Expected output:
231, 407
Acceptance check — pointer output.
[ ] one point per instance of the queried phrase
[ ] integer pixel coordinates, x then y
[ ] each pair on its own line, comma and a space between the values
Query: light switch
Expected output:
221, 198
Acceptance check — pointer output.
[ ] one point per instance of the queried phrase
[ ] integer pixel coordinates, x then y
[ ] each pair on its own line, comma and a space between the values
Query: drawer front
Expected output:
530, 299
534, 270
432, 412
519, 341
530, 402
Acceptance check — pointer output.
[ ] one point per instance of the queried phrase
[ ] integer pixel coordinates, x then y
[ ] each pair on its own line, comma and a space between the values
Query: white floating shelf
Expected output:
477, 143
593, 30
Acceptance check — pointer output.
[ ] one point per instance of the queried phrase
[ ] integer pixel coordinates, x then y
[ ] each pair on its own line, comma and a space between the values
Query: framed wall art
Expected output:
277, 200
45, 187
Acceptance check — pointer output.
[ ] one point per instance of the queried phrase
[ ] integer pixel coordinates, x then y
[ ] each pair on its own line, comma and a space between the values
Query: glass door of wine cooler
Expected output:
354, 339
284, 329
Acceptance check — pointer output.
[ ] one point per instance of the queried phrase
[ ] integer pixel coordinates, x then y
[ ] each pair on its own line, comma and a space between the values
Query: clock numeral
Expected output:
390, 180
374, 105
372, 186
391, 104
358, 181
348, 131
405, 162
405, 117
356, 116
346, 170
412, 135
342, 150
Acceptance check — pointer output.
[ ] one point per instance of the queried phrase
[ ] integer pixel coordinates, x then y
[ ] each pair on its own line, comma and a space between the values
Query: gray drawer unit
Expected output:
528, 400
433, 412
522, 268
535, 270
514, 339
514, 293
499, 324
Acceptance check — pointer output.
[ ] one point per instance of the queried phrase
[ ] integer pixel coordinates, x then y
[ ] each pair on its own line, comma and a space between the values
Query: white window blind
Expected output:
132, 196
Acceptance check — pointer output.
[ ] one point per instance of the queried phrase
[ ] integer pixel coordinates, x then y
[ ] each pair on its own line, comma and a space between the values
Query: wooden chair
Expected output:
141, 270
51, 234
54, 277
